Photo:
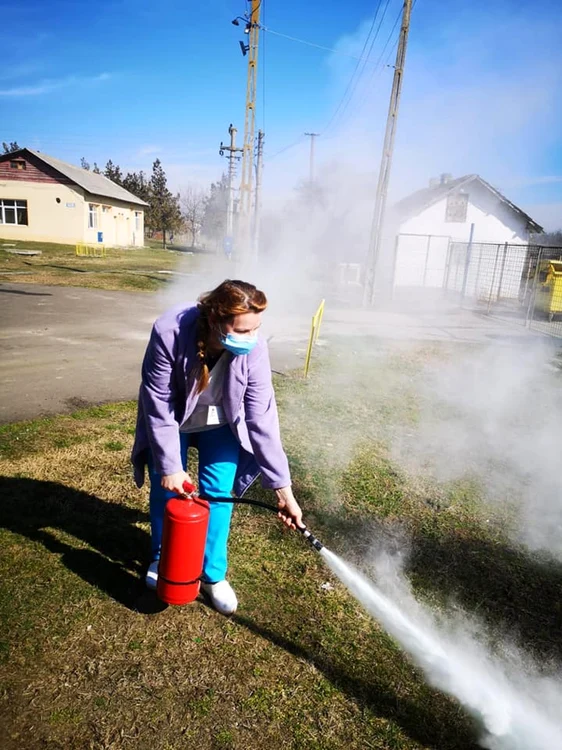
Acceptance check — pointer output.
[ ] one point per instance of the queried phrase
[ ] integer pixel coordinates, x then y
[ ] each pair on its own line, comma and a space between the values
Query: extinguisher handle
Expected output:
190, 490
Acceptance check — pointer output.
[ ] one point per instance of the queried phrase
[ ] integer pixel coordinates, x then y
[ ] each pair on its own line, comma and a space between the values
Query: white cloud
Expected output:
149, 151
46, 86
532, 181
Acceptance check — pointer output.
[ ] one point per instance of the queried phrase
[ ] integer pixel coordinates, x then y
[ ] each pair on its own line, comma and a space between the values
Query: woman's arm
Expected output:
158, 394
262, 422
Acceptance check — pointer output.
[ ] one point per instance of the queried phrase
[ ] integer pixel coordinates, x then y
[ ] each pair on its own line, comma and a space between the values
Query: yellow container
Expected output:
549, 288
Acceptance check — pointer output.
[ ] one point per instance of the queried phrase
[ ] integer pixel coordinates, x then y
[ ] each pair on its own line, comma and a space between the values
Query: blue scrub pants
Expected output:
218, 460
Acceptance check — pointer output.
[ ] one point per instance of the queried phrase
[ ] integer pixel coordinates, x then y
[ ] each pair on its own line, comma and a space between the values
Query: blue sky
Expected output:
132, 80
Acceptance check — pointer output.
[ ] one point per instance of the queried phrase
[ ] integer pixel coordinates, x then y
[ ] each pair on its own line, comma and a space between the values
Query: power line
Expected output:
378, 68
309, 44
286, 148
352, 84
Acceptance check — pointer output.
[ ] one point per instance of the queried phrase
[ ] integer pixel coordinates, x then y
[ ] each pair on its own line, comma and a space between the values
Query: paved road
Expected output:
63, 347
66, 347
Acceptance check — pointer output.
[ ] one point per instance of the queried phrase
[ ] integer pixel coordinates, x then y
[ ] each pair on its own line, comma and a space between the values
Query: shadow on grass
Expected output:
514, 592
506, 587
107, 549
62, 268
424, 723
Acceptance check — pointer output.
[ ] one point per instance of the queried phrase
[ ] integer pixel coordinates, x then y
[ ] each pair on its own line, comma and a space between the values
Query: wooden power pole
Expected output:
386, 159
251, 49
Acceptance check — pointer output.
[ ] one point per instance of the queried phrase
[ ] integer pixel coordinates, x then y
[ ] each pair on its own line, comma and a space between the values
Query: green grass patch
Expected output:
88, 659
130, 269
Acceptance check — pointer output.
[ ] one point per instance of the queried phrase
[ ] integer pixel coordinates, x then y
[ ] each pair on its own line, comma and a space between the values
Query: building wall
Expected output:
422, 244
55, 211
59, 212
493, 221
121, 224
35, 171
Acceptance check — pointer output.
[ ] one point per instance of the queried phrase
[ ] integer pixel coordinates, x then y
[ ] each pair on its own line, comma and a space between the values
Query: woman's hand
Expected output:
289, 510
174, 482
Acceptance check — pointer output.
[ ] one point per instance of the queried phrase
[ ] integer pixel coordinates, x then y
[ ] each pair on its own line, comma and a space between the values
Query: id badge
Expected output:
213, 415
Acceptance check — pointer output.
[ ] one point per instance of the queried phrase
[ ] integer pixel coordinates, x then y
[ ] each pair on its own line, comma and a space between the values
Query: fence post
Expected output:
533, 298
493, 280
478, 269
502, 271
467, 262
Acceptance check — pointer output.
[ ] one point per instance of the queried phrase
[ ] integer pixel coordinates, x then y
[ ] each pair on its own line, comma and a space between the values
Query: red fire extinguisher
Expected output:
186, 519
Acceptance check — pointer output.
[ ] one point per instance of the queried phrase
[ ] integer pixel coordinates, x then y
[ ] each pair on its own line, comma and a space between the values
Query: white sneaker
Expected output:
151, 578
222, 596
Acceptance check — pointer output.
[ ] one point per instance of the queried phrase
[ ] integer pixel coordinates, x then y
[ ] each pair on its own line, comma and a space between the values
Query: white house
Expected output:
428, 224
45, 199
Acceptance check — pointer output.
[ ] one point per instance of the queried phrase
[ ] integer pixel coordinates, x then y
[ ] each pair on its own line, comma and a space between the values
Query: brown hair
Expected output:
230, 298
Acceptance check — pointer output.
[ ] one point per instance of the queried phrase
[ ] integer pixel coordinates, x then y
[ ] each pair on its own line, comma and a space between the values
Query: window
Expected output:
18, 164
457, 204
93, 216
138, 221
106, 209
13, 212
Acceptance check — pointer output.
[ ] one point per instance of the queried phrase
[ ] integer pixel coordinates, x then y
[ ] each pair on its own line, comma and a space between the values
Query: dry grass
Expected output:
91, 661
136, 269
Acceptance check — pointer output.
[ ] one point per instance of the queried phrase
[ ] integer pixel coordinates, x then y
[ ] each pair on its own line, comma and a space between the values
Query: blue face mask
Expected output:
239, 343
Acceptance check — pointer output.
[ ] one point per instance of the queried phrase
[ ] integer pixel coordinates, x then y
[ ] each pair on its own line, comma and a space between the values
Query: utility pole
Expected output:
386, 159
251, 49
257, 205
232, 151
312, 136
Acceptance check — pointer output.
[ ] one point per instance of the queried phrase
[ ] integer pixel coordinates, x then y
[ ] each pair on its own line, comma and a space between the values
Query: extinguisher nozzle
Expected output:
316, 543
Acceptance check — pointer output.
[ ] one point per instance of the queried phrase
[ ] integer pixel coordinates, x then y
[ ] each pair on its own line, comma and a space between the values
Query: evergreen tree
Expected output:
113, 172
84, 164
163, 214
213, 223
96, 169
137, 184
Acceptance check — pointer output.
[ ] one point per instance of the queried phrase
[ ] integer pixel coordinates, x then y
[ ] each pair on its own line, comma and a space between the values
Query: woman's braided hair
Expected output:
219, 306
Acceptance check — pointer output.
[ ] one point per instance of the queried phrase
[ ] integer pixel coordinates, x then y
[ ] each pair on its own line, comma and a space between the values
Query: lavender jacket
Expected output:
168, 396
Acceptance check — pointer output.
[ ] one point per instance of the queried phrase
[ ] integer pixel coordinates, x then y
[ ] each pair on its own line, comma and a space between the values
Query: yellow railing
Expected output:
314, 333
90, 251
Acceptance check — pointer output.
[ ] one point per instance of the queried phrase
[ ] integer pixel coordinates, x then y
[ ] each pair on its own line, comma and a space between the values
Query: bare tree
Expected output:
192, 201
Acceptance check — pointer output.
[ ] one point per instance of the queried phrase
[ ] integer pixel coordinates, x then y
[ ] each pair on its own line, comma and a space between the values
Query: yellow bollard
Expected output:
314, 333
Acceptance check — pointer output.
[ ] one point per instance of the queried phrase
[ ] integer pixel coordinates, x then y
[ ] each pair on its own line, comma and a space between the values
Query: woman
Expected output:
206, 382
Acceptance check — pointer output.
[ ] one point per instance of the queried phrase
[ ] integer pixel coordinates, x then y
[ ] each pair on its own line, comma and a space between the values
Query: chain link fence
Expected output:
518, 283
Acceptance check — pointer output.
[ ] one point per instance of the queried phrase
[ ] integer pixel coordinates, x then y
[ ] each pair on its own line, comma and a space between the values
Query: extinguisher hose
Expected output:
316, 543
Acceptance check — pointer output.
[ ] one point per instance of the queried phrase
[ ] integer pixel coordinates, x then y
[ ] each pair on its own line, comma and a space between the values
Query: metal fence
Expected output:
519, 283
